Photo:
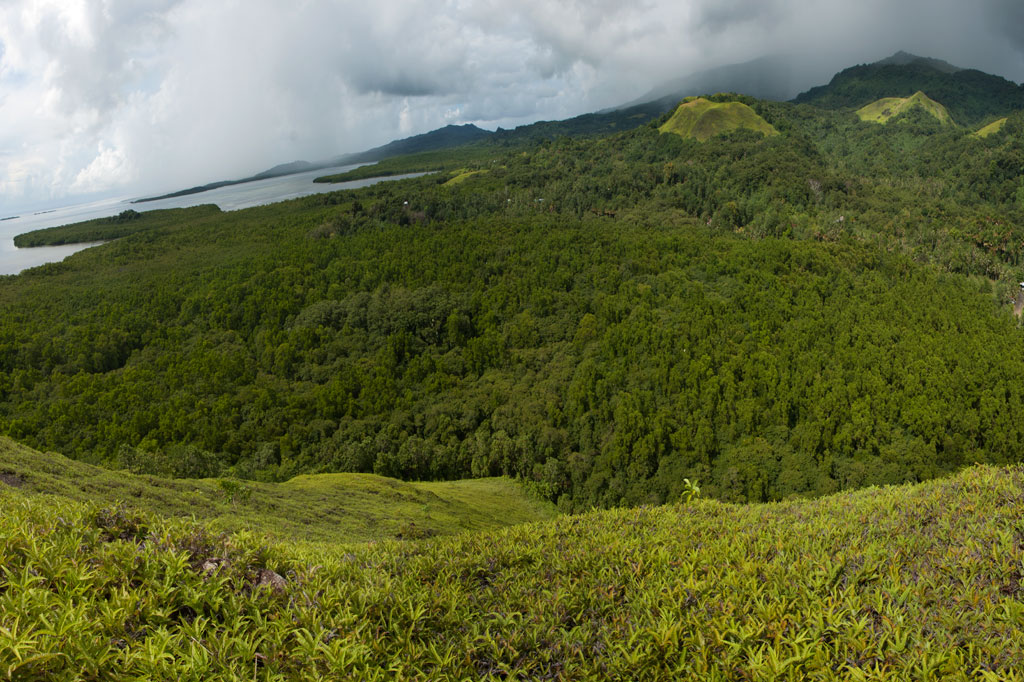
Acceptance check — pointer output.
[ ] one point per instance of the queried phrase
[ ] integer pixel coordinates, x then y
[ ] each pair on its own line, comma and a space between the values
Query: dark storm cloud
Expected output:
1008, 18
720, 17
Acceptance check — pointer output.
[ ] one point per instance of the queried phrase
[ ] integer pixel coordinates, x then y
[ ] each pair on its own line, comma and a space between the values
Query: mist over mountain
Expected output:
902, 58
443, 138
775, 77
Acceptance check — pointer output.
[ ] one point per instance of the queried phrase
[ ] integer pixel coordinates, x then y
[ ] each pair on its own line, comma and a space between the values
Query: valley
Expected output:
727, 391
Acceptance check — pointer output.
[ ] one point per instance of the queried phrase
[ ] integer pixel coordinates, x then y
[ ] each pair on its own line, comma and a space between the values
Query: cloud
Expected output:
721, 17
137, 96
109, 169
1007, 18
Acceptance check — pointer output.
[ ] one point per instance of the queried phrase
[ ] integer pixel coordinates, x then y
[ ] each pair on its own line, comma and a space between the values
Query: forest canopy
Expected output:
602, 316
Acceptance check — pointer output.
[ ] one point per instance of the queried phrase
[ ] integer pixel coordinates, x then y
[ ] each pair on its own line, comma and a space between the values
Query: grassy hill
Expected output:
888, 108
702, 119
990, 129
900, 583
316, 508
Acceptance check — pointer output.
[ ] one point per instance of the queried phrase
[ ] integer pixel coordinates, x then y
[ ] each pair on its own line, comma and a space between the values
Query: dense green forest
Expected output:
602, 316
121, 225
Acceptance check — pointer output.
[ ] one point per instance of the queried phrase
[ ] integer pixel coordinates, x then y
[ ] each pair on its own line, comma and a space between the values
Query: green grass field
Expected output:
316, 508
919, 582
461, 175
990, 129
702, 119
884, 110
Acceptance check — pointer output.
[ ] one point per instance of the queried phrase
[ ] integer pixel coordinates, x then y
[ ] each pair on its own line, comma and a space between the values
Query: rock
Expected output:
212, 564
267, 578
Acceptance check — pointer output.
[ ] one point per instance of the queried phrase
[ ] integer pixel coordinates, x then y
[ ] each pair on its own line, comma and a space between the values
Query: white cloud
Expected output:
110, 169
149, 95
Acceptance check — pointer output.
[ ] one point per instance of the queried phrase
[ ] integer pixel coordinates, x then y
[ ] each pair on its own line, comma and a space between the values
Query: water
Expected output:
231, 198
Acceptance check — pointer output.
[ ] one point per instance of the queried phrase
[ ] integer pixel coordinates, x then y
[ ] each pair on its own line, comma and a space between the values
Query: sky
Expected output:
127, 97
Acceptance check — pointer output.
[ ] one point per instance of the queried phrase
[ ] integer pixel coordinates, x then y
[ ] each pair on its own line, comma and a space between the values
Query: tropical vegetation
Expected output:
761, 355
904, 583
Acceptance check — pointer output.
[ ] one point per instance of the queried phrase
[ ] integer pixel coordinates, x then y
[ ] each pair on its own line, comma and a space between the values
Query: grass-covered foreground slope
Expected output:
702, 119
318, 508
884, 110
906, 583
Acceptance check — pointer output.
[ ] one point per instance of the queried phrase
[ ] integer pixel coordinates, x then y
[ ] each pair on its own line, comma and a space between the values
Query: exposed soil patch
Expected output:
1013, 587
11, 479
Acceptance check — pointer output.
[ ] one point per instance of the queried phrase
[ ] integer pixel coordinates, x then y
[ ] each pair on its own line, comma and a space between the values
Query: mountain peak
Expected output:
971, 97
885, 110
902, 58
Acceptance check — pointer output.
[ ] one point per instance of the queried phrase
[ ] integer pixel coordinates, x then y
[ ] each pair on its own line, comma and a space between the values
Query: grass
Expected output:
702, 119
990, 129
315, 508
922, 582
461, 175
884, 110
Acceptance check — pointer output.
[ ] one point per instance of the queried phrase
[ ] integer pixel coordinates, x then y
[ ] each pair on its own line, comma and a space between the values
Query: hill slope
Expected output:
971, 96
913, 582
990, 129
325, 507
702, 119
442, 138
884, 110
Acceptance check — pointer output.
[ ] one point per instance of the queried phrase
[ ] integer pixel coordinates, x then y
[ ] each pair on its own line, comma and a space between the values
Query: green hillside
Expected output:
971, 96
776, 372
884, 110
315, 508
701, 119
797, 314
990, 129
905, 583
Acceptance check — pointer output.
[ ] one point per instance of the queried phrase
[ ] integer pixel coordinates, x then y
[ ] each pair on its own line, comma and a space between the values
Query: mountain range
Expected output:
775, 77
